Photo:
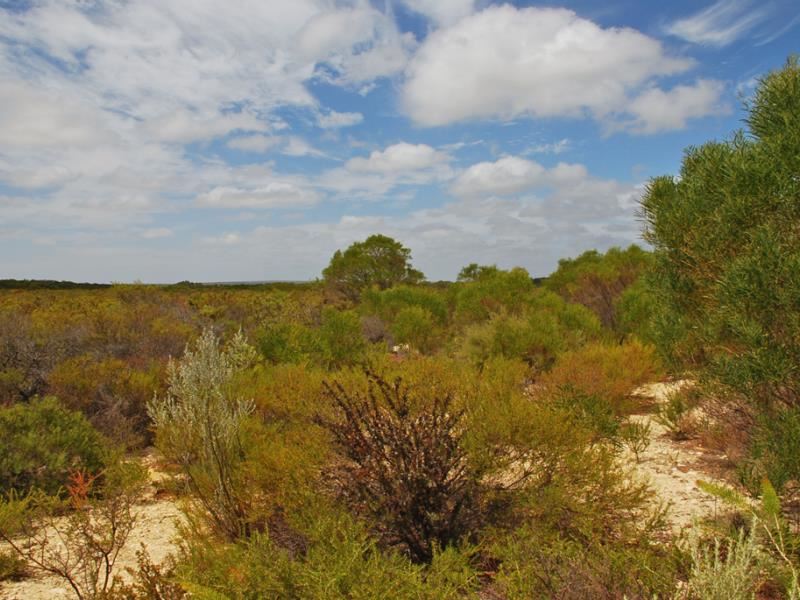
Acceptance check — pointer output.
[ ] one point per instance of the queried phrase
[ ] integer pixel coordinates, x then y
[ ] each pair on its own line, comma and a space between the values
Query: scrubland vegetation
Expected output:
371, 435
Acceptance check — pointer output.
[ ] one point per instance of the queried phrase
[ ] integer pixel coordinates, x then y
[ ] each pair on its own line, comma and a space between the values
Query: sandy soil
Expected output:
156, 527
674, 467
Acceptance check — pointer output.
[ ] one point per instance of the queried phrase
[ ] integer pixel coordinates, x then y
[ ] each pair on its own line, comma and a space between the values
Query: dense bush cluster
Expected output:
41, 443
725, 298
372, 435
726, 264
387, 443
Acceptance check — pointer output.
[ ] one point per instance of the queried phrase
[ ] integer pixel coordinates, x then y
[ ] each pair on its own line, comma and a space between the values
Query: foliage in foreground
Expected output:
342, 561
727, 250
83, 546
41, 443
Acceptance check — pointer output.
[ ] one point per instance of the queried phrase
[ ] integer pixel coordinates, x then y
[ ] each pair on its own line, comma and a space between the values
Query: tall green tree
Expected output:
726, 235
377, 261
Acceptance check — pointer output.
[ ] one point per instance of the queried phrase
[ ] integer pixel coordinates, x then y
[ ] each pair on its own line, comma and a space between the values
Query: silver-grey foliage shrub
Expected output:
199, 425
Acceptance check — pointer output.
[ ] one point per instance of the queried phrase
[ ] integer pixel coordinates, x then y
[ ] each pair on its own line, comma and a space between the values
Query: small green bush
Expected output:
635, 308
281, 342
416, 327
41, 443
12, 566
387, 304
635, 436
676, 414
338, 342
536, 563
775, 450
199, 424
609, 372
597, 280
588, 411
548, 327
497, 292
341, 561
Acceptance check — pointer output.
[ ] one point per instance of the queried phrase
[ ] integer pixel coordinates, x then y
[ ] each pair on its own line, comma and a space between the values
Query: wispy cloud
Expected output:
780, 31
558, 147
720, 24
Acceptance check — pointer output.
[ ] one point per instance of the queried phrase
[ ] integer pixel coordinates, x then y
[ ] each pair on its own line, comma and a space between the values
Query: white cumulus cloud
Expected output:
656, 110
507, 62
398, 158
253, 143
513, 175
277, 194
335, 120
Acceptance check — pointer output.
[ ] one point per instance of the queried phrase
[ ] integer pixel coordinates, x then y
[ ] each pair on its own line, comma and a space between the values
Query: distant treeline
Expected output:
47, 284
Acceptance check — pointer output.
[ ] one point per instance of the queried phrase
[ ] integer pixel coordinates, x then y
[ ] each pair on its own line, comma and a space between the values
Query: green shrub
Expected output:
554, 461
538, 564
597, 280
587, 411
281, 342
387, 304
12, 566
377, 261
474, 272
727, 252
338, 342
676, 414
725, 571
549, 327
498, 292
636, 437
775, 450
111, 393
341, 560
635, 309
41, 443
416, 327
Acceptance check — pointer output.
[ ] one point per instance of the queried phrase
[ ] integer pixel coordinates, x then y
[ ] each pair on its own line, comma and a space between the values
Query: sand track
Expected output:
155, 529
673, 467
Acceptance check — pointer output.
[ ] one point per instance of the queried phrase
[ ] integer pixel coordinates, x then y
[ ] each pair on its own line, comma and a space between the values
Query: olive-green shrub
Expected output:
727, 250
41, 443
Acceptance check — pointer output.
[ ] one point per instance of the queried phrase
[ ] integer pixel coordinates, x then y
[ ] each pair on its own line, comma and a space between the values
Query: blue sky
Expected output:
164, 140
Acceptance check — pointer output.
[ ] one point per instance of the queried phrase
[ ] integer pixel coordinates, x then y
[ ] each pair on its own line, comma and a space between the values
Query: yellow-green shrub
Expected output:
111, 393
333, 557
610, 372
387, 304
417, 327
498, 292
551, 326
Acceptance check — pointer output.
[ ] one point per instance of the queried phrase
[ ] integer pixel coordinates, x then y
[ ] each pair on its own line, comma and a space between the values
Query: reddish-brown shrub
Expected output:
403, 464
